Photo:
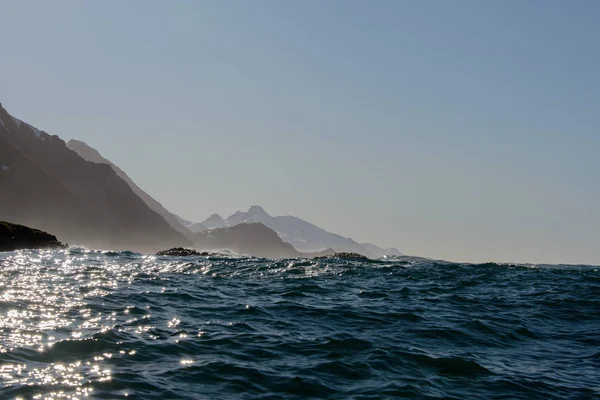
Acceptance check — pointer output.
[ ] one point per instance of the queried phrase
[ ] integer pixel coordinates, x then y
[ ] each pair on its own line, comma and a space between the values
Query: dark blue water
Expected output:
77, 324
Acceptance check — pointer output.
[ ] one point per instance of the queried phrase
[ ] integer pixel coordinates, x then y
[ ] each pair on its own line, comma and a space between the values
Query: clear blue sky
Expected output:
465, 130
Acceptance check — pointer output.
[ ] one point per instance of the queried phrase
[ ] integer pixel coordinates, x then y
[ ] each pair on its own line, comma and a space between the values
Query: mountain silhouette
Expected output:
303, 235
48, 186
90, 154
254, 239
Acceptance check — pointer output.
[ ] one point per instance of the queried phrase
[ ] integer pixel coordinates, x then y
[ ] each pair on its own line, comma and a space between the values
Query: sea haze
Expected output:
101, 324
71, 190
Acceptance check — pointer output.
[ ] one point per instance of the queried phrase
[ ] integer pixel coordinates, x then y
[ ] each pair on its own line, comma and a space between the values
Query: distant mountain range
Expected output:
45, 185
250, 238
72, 191
303, 235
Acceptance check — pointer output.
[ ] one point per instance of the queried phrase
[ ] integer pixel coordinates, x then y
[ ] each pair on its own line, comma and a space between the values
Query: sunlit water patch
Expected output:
87, 324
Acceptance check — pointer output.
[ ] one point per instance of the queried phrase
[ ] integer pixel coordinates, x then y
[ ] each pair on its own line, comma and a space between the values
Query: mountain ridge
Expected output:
91, 154
47, 186
303, 235
254, 239
84, 192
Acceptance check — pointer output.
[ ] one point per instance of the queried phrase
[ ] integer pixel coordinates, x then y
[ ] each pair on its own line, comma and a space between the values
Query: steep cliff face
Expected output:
46, 185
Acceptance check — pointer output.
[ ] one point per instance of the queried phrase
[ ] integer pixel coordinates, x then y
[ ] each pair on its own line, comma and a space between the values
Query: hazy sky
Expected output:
465, 130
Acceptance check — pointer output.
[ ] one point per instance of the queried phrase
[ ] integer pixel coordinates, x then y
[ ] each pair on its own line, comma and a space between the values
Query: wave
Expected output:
106, 324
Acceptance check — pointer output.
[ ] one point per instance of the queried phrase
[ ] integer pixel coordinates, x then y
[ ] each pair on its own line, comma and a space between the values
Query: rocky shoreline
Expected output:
19, 237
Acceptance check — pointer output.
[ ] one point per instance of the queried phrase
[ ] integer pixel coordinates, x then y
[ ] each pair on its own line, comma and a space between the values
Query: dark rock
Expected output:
182, 252
16, 237
345, 256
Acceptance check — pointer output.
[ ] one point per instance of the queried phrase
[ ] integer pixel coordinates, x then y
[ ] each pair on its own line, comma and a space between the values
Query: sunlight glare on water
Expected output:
89, 324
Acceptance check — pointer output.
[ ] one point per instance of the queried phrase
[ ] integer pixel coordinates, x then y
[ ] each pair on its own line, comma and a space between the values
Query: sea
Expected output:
78, 323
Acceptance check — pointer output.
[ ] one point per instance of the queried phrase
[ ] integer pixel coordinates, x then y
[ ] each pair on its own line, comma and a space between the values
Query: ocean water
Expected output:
87, 324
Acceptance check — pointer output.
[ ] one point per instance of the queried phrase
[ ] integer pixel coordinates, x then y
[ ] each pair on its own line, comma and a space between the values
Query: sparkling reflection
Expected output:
45, 309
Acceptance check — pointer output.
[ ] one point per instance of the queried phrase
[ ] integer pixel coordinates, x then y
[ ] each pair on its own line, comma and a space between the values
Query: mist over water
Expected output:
76, 323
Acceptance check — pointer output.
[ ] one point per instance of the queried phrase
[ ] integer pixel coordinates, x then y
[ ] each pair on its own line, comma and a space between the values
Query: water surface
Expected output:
88, 324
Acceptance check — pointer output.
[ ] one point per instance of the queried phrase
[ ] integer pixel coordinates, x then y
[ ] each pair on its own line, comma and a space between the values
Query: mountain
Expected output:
90, 154
214, 221
303, 235
184, 222
390, 251
250, 238
254, 214
47, 186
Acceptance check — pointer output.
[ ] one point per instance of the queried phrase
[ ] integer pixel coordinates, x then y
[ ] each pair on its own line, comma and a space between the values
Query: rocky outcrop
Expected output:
345, 256
17, 237
251, 239
183, 252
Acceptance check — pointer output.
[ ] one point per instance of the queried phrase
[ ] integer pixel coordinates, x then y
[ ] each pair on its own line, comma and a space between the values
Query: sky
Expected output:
462, 130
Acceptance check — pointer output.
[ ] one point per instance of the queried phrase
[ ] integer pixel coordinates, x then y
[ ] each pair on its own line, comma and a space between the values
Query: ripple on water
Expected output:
77, 323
